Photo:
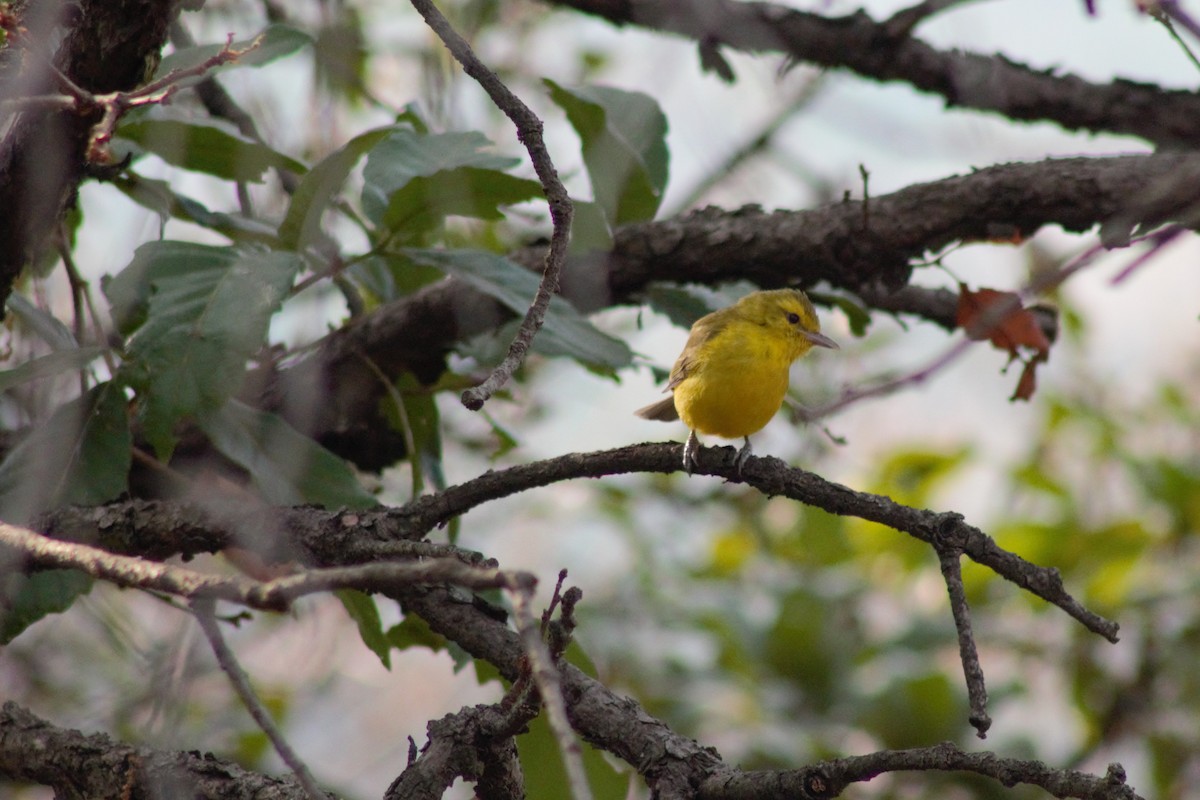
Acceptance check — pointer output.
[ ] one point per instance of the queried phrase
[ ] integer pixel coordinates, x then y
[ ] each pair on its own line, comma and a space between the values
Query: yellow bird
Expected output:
732, 375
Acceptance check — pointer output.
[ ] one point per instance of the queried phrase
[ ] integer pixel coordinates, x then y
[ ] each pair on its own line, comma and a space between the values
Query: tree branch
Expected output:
202, 609
529, 132
82, 767
107, 47
670, 763
29, 550
883, 51
830, 778
332, 390
342, 538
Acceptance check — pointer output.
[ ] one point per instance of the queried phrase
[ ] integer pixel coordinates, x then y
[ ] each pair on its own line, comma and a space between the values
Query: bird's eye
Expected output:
793, 317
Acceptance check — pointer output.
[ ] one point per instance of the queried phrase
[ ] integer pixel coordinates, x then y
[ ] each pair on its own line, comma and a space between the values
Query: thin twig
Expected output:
529, 132
831, 778
1159, 240
1169, 10
903, 21
992, 317
951, 566
273, 595
549, 683
115, 104
81, 290
202, 609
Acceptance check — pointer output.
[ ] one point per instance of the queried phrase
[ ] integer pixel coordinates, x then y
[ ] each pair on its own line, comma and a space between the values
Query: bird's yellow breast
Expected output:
736, 383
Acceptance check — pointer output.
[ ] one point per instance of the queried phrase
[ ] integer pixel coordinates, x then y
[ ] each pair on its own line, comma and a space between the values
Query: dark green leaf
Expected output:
565, 332
681, 305
211, 146
413, 181
423, 203
388, 276
199, 313
287, 467
418, 419
275, 41
406, 154
413, 631
624, 147
81, 455
47, 365
856, 313
362, 609
302, 224
159, 197
24, 599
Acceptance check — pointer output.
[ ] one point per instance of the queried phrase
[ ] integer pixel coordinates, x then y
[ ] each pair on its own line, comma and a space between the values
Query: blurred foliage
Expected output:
803, 631
776, 632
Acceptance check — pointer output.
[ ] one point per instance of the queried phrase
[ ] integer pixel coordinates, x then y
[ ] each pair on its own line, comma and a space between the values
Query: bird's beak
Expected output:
820, 340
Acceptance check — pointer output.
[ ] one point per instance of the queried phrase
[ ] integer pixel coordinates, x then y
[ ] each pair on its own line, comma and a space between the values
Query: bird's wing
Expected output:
704, 331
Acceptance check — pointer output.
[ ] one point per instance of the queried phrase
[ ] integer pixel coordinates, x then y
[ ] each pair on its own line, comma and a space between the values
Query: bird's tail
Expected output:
662, 411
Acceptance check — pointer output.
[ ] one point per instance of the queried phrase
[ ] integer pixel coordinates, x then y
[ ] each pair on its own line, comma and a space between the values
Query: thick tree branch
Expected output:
106, 47
671, 764
343, 538
332, 391
883, 51
81, 767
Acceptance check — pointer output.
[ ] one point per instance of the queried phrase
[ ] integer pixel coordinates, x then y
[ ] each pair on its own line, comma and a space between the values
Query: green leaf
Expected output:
362, 609
413, 631
43, 324
341, 50
545, 775
810, 646
274, 42
424, 203
388, 276
159, 197
418, 418
915, 711
302, 224
25, 599
211, 146
565, 332
199, 313
856, 313
413, 181
680, 304
287, 467
47, 365
81, 455
624, 147
590, 231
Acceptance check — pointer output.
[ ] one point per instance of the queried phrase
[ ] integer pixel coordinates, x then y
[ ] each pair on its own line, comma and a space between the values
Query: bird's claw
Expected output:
743, 455
690, 450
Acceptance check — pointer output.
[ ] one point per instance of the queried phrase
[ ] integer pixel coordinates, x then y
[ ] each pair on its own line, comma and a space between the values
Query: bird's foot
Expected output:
690, 449
742, 457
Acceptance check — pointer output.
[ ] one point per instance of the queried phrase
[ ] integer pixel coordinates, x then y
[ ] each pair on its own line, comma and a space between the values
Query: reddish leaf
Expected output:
1018, 328
1028, 381
977, 316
